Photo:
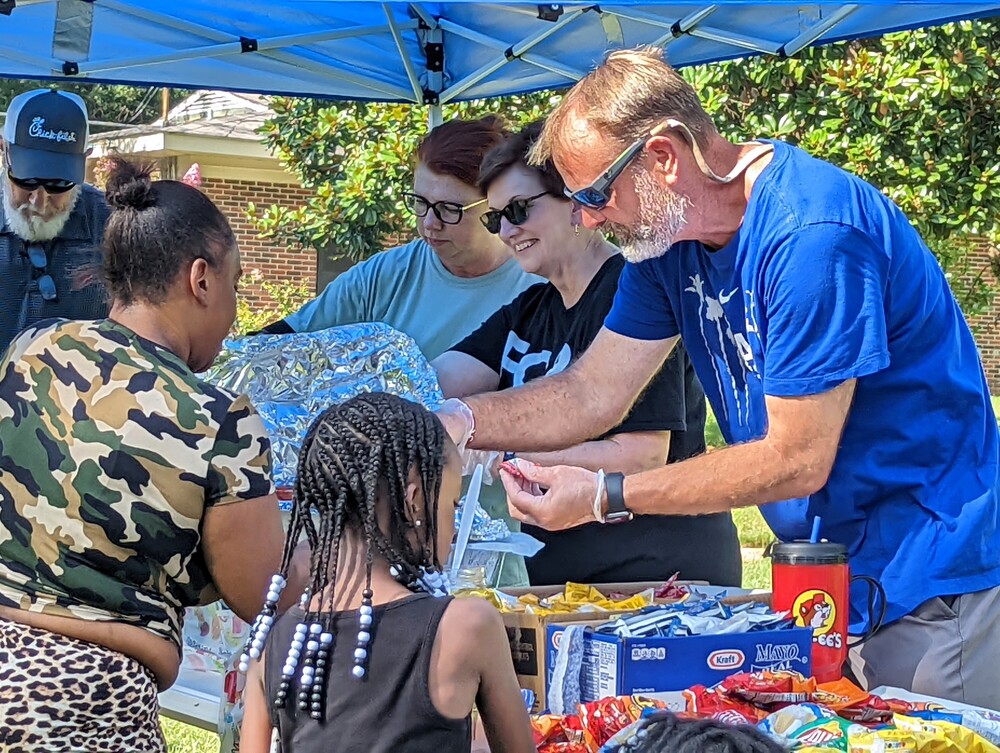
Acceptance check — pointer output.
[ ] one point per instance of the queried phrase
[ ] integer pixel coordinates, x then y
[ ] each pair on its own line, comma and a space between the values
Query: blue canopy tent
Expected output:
426, 53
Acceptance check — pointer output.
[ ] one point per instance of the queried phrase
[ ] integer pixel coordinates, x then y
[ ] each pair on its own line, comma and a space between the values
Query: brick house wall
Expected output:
987, 326
274, 263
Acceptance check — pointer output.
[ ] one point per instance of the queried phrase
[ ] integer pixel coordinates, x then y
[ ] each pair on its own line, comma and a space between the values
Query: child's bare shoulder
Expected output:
470, 619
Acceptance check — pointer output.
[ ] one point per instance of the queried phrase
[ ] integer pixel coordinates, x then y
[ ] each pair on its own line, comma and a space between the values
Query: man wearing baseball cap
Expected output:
51, 222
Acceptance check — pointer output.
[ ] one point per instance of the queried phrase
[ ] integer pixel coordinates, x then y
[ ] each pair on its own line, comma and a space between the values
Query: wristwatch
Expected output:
617, 511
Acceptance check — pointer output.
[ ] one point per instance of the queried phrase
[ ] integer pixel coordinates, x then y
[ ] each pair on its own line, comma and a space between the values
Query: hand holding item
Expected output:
568, 499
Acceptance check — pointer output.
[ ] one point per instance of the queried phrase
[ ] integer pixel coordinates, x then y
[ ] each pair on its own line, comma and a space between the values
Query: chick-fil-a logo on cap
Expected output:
37, 130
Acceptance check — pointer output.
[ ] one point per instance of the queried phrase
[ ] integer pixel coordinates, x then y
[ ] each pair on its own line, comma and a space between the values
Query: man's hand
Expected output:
567, 502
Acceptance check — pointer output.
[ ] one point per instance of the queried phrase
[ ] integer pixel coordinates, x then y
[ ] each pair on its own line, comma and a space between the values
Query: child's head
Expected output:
666, 733
381, 471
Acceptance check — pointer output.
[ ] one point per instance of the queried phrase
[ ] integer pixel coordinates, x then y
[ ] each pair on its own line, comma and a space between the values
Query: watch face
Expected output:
622, 516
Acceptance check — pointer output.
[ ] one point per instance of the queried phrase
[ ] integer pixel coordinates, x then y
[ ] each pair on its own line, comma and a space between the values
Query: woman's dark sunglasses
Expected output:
48, 185
516, 213
598, 194
448, 212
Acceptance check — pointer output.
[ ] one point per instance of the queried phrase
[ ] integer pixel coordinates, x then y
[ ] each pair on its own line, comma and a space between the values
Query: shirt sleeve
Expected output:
641, 309
662, 405
240, 468
824, 310
348, 299
487, 343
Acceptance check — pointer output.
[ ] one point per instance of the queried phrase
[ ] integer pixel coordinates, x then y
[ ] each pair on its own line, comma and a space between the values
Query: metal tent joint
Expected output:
248, 45
549, 11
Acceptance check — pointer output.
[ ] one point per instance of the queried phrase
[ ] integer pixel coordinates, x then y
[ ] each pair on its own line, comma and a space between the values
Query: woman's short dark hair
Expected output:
456, 148
514, 151
156, 229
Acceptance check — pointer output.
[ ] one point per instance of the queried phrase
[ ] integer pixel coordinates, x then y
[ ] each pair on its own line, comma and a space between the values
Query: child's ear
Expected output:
413, 499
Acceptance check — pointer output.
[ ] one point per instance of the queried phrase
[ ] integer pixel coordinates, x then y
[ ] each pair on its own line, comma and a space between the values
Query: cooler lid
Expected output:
806, 553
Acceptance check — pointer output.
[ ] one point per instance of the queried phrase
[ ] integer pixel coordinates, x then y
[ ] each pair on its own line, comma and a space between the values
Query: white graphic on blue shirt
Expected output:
732, 355
518, 367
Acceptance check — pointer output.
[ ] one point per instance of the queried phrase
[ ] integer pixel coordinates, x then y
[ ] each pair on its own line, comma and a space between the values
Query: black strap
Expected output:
616, 493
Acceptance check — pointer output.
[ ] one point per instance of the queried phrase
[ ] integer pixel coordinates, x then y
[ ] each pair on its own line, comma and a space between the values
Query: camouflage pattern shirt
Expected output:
111, 450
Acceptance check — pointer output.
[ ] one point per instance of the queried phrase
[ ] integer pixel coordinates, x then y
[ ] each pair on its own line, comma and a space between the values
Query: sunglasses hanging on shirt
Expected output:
40, 271
516, 213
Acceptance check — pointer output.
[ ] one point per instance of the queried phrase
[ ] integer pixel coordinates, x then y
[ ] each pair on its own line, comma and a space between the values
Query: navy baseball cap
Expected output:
46, 134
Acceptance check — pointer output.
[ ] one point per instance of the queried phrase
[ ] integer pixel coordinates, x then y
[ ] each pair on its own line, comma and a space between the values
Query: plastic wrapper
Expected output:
708, 616
828, 734
292, 378
713, 703
784, 723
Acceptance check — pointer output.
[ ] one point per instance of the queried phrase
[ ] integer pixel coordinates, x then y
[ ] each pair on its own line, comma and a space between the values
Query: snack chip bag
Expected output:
769, 687
882, 741
829, 734
709, 703
944, 737
785, 722
853, 703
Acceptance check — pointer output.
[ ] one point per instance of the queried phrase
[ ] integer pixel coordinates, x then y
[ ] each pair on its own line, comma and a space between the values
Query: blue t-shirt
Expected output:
408, 288
826, 281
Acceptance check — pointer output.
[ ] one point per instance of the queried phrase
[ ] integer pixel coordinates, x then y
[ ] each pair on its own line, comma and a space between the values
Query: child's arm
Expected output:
499, 700
255, 732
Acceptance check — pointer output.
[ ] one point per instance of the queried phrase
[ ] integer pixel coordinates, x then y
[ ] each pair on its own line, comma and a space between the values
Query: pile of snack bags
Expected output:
802, 715
574, 598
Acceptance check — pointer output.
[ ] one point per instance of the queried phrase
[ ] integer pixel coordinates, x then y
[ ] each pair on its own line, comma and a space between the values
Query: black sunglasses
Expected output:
40, 272
516, 213
448, 212
53, 185
598, 194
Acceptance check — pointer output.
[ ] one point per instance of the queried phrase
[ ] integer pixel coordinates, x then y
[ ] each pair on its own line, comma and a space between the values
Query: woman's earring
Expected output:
576, 230
417, 523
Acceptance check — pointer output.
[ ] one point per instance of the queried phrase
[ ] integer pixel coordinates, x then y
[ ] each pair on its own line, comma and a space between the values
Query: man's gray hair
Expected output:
622, 99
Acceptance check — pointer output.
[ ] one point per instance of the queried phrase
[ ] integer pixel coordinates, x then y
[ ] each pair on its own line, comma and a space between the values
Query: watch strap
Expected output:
617, 511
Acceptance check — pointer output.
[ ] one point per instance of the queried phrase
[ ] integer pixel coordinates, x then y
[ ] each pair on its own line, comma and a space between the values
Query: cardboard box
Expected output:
625, 666
527, 633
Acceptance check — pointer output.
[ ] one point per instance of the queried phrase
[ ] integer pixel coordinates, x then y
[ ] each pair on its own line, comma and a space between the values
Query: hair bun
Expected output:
129, 185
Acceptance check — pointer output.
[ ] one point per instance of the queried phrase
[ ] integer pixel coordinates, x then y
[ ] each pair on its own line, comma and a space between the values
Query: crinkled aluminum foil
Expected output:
292, 378
485, 528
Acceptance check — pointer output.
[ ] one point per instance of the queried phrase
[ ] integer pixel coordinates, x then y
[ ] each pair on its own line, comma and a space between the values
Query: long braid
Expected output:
666, 733
355, 456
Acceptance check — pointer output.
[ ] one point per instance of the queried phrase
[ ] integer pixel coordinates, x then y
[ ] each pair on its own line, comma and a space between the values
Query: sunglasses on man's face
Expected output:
516, 213
598, 194
50, 186
40, 272
448, 212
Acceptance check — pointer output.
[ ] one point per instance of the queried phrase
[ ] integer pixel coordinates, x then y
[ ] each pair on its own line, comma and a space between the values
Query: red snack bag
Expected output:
670, 590
565, 748
547, 728
707, 703
853, 703
769, 688
602, 719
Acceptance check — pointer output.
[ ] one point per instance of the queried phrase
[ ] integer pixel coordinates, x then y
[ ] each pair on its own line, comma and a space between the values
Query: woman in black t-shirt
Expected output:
541, 332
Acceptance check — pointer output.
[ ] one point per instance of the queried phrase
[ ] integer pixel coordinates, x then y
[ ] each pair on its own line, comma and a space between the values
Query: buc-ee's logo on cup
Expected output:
817, 610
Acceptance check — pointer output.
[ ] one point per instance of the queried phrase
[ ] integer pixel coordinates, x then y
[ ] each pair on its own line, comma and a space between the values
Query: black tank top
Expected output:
390, 710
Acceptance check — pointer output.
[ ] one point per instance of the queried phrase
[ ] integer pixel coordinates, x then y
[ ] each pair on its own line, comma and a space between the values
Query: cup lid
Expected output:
807, 553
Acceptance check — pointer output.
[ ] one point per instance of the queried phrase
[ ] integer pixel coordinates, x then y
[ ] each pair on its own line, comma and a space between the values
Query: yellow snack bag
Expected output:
578, 593
944, 737
882, 741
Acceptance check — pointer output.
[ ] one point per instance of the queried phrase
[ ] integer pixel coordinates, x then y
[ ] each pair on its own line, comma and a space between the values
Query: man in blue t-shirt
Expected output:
837, 361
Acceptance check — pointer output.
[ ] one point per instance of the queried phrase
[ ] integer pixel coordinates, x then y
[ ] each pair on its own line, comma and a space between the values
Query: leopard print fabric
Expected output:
59, 694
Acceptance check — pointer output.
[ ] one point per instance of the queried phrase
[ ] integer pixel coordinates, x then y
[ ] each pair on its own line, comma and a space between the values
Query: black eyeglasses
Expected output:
598, 194
516, 213
448, 212
48, 185
40, 272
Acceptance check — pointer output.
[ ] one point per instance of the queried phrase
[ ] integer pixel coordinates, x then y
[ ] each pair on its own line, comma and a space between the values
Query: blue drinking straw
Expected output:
814, 536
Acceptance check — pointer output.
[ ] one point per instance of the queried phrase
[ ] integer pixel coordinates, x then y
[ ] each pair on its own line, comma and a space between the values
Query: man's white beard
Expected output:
661, 219
34, 228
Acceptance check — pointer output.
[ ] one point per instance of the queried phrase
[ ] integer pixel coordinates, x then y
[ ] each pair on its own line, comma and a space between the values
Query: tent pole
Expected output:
434, 116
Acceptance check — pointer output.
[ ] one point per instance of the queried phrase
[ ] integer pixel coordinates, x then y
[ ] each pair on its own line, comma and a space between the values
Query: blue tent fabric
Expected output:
411, 52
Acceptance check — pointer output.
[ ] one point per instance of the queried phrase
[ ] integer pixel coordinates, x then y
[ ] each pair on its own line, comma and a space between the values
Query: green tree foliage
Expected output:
914, 113
112, 104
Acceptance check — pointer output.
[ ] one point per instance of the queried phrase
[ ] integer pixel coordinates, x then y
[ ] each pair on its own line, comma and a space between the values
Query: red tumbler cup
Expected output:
812, 583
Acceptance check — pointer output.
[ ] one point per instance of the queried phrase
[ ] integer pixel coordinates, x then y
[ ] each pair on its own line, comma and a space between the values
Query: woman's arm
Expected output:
628, 453
460, 374
255, 730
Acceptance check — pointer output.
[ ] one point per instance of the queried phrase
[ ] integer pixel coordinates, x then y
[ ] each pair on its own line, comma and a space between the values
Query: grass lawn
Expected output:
183, 738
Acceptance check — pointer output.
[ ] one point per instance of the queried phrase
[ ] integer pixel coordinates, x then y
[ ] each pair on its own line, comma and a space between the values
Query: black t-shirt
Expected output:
534, 336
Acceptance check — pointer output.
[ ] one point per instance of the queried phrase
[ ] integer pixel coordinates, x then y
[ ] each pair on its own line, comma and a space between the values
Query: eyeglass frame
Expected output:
487, 217
433, 207
603, 183
40, 271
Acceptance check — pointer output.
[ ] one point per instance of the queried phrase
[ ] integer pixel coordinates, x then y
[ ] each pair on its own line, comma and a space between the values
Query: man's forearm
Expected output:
739, 476
547, 414
623, 453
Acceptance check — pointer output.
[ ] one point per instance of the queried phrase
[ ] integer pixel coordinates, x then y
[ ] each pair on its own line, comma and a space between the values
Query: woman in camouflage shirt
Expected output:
129, 488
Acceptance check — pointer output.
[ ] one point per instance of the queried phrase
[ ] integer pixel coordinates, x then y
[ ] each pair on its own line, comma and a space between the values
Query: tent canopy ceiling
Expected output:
427, 53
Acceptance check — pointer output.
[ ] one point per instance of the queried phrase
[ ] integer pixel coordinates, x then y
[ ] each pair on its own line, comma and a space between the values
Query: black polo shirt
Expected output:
77, 248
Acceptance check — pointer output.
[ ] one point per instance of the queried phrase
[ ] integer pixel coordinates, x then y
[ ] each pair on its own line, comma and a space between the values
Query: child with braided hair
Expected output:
664, 732
366, 662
